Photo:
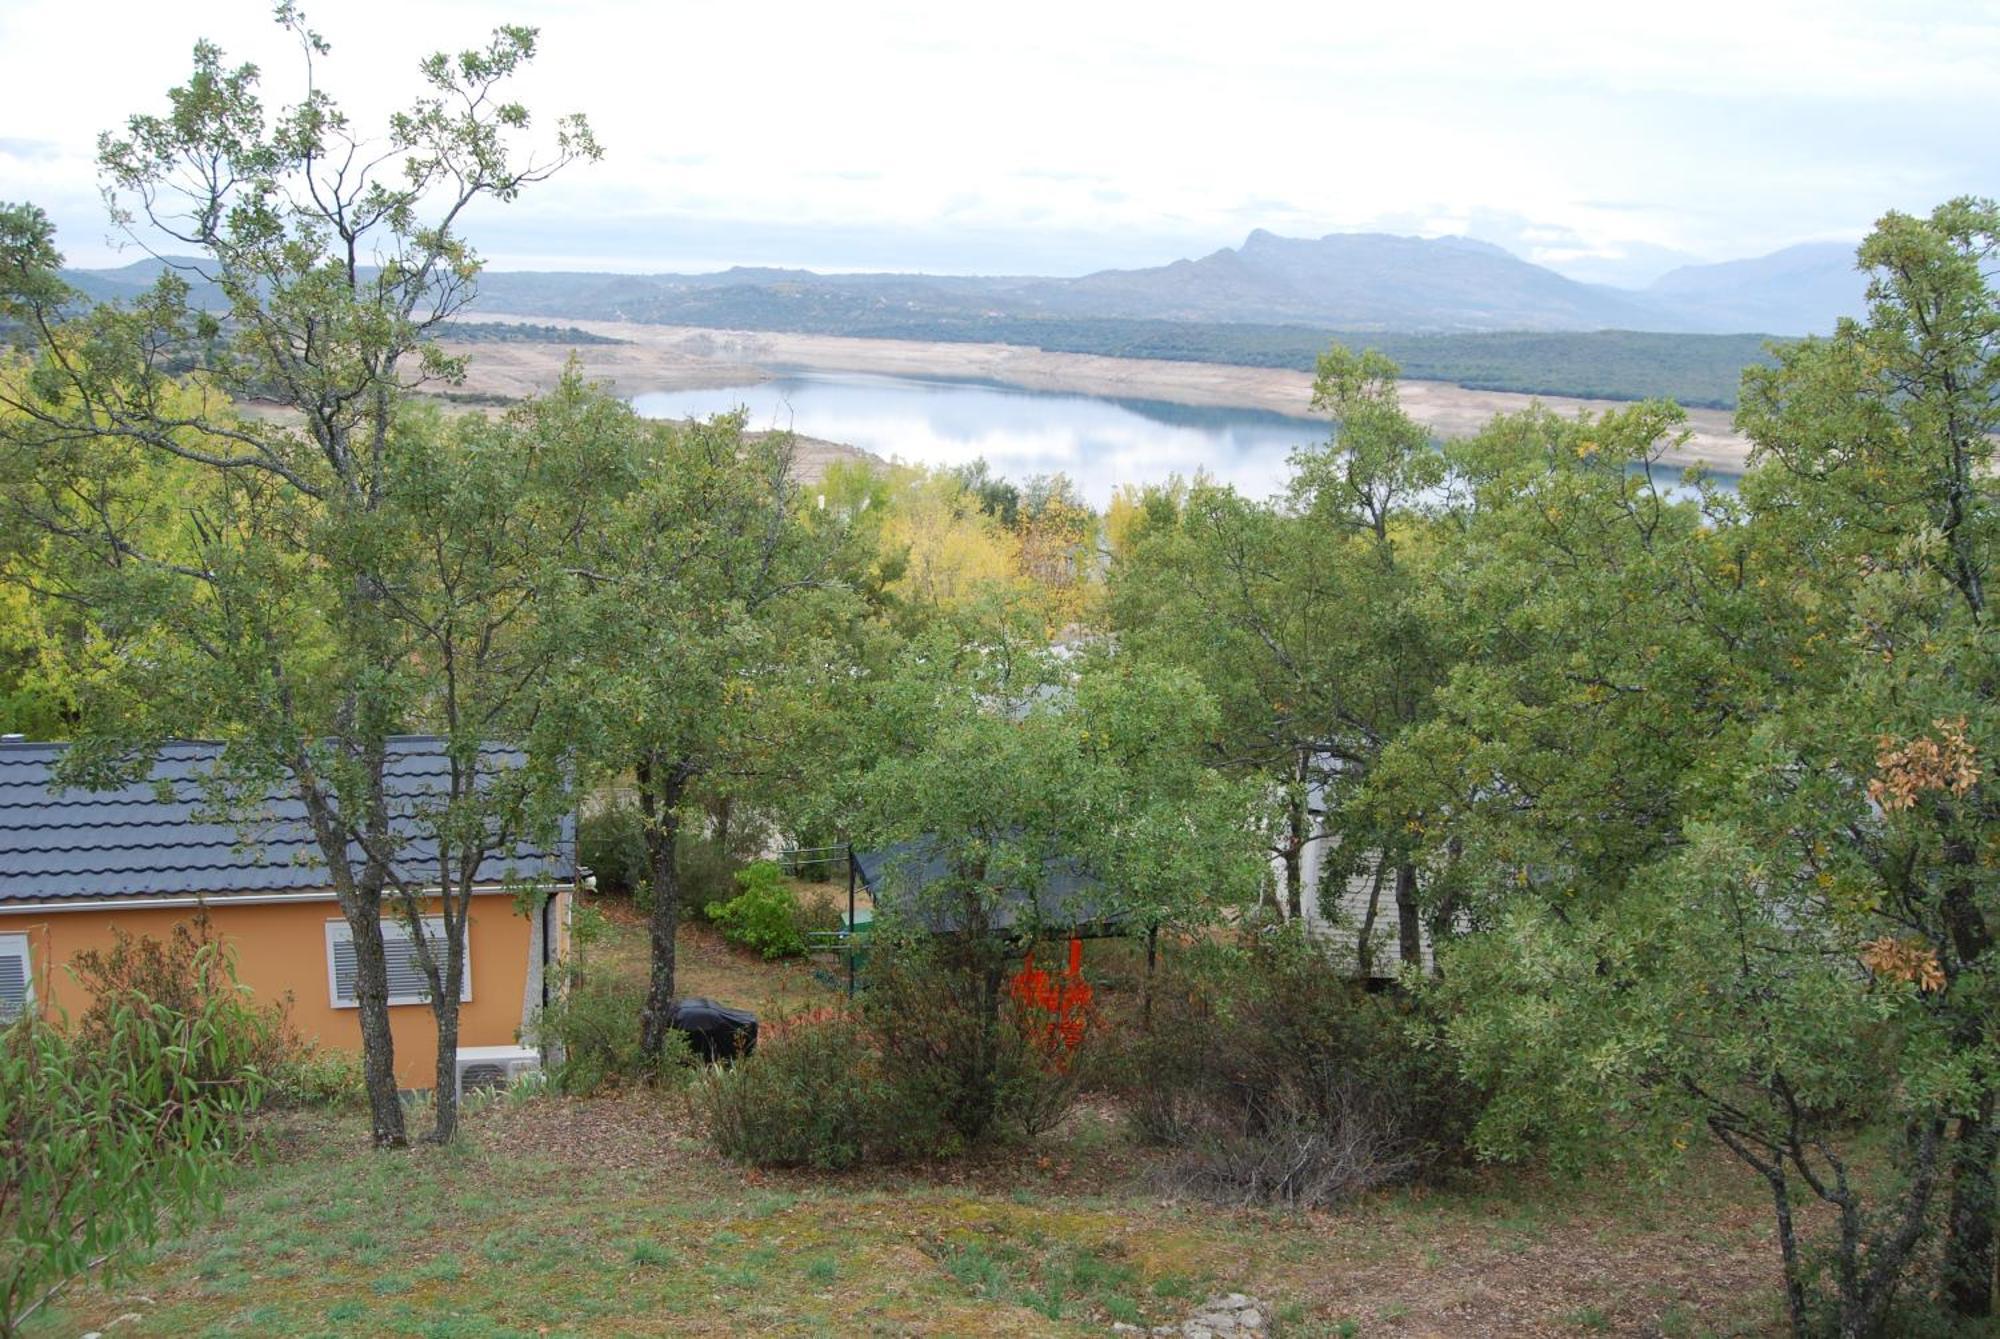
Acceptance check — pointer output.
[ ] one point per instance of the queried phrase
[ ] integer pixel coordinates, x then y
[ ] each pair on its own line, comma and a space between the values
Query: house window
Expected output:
17, 983
407, 984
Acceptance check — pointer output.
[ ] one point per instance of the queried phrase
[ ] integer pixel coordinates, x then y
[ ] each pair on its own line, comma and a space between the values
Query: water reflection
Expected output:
1099, 443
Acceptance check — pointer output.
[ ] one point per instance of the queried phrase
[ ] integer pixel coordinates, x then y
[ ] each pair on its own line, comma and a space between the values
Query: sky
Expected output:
1611, 142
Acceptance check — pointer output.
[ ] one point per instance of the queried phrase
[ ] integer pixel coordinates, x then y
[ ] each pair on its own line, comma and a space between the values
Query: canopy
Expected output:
1069, 900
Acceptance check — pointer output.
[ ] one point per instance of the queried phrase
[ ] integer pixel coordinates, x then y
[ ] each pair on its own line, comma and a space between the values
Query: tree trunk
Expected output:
1969, 1244
1409, 925
662, 784
1788, 1251
1969, 1247
1298, 816
378, 1043
444, 1008
1364, 938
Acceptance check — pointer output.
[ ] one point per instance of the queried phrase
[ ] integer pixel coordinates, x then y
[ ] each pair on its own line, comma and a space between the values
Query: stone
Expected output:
1250, 1318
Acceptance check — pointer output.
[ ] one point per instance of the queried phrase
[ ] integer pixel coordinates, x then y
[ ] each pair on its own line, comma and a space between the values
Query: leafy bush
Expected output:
312, 1076
1277, 1078
950, 1034
611, 843
707, 873
768, 916
141, 981
811, 1096
106, 1143
591, 1030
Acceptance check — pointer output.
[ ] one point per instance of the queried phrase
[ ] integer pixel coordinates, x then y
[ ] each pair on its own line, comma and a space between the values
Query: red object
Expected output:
1065, 999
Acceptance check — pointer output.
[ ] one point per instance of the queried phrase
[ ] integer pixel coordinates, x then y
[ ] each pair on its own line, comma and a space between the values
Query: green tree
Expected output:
1735, 762
1006, 768
329, 256
705, 599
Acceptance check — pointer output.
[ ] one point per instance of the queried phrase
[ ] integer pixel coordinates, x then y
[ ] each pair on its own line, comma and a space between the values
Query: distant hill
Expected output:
1450, 308
1363, 281
1801, 290
1343, 281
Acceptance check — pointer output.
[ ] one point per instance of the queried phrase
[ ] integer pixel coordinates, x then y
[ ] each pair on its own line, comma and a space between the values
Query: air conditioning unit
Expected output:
494, 1066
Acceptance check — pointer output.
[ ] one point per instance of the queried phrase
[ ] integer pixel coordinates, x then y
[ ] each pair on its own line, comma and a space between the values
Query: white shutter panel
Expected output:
342, 950
15, 992
407, 983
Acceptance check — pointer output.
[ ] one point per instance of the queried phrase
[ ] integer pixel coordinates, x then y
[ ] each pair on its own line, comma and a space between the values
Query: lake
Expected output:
1098, 443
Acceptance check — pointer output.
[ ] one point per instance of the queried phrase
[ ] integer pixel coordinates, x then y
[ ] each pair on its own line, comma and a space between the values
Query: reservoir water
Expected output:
1099, 443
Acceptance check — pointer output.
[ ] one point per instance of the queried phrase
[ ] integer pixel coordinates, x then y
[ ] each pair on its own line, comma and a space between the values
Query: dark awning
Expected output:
1069, 900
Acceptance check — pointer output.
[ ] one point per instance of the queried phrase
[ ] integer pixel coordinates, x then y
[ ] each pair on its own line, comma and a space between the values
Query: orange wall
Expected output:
281, 947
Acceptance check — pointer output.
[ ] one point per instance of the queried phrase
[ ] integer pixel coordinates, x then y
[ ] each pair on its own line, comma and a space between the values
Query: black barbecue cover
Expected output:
715, 1031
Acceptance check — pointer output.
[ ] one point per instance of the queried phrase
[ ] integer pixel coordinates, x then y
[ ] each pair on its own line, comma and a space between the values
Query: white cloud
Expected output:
1154, 129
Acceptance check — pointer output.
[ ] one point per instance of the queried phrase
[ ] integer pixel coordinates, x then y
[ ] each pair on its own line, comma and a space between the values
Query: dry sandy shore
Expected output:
658, 357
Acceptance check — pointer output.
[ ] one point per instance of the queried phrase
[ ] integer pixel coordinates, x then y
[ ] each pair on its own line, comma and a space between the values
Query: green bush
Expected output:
107, 1143
814, 1095
314, 1077
1278, 1078
707, 874
952, 1037
591, 1030
611, 843
767, 916
140, 981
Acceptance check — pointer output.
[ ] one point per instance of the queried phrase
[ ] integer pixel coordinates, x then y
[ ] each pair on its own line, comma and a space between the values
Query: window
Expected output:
17, 983
406, 975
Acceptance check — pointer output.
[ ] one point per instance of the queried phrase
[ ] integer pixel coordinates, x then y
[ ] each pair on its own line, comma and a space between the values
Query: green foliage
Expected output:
591, 1030
813, 1095
140, 981
1277, 1078
104, 1145
767, 915
611, 843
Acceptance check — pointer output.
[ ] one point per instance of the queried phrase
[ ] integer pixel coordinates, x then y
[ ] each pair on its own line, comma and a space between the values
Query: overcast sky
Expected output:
1610, 141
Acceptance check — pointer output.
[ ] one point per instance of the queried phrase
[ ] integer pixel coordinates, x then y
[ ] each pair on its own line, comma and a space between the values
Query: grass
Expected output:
562, 1216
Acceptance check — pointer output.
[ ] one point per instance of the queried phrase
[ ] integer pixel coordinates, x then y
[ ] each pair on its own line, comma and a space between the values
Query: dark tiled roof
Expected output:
161, 837
1070, 899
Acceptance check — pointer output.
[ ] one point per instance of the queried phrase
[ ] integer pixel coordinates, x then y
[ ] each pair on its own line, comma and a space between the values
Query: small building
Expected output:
1338, 912
77, 864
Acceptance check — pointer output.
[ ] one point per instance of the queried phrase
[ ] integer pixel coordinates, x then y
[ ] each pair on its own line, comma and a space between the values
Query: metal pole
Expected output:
850, 920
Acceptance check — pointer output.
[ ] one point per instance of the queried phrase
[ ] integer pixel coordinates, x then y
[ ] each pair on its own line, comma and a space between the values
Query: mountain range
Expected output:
1357, 282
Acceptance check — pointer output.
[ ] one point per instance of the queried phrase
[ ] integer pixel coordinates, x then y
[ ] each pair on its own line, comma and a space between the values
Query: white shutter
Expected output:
17, 983
407, 983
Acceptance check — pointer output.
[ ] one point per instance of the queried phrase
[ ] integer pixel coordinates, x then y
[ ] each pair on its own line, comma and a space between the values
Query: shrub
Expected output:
707, 873
768, 916
814, 1096
315, 1077
591, 1030
162, 983
105, 1143
950, 1034
1278, 1079
611, 843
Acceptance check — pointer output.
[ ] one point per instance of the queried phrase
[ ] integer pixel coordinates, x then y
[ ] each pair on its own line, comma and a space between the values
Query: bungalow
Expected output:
76, 864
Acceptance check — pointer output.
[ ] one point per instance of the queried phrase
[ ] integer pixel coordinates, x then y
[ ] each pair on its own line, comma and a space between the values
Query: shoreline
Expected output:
663, 358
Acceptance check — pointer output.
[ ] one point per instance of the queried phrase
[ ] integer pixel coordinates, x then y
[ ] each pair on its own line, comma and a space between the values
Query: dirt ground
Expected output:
661, 357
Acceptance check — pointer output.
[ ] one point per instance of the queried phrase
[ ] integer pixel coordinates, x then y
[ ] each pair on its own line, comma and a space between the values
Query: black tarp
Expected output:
714, 1031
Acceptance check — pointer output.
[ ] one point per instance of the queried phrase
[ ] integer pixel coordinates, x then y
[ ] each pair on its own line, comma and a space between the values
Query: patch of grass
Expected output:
821, 1270
1588, 1318
651, 1254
